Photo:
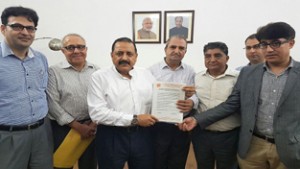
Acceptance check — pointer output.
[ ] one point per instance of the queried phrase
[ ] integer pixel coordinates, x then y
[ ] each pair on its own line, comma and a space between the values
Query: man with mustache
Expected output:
119, 100
215, 146
172, 144
23, 105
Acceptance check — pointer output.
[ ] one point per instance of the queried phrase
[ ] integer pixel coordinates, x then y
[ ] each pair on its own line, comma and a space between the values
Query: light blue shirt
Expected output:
22, 87
182, 74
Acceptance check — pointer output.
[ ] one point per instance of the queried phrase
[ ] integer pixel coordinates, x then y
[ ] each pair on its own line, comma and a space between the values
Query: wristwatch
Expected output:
134, 121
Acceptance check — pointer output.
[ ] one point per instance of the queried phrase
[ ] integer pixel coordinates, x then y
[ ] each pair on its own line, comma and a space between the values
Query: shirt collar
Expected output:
65, 65
292, 63
228, 72
132, 72
163, 65
6, 51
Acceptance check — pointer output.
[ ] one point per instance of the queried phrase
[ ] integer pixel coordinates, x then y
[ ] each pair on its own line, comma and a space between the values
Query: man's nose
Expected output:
177, 50
212, 59
252, 50
124, 56
76, 50
25, 31
269, 48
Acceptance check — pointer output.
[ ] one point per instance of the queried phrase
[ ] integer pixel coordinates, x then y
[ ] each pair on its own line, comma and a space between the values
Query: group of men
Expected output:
254, 114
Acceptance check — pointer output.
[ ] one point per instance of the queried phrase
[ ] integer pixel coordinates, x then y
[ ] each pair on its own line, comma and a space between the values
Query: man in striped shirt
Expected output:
67, 92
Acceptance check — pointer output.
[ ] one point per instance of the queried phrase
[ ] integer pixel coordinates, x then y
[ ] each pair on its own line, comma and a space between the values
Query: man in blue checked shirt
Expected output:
23, 105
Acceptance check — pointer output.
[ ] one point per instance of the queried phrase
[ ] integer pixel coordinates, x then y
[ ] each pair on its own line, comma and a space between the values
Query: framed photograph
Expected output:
146, 27
179, 23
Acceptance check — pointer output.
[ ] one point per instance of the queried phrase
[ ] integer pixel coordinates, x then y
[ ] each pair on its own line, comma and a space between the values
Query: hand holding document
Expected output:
189, 91
165, 97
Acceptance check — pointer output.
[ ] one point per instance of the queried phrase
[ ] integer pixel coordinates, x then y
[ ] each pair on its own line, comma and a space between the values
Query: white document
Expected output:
165, 97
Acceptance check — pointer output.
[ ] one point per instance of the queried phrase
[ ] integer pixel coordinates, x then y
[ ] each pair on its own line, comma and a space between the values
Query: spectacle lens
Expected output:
71, 48
20, 27
273, 44
254, 47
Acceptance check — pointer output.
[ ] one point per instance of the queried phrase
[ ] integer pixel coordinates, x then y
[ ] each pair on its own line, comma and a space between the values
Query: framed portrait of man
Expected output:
179, 23
146, 26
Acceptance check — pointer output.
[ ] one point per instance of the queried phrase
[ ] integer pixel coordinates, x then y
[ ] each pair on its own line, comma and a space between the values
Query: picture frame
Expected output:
143, 31
184, 26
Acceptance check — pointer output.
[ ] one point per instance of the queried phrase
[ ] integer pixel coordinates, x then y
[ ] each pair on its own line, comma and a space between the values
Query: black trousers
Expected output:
171, 146
116, 145
88, 158
218, 148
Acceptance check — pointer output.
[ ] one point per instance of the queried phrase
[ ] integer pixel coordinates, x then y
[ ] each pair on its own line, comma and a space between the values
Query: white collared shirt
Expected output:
114, 99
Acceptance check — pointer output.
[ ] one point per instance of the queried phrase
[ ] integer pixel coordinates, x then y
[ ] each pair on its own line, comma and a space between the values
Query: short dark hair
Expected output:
276, 30
216, 45
123, 39
252, 36
30, 14
178, 37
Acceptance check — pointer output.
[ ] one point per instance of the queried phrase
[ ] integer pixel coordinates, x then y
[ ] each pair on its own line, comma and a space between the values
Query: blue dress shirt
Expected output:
22, 87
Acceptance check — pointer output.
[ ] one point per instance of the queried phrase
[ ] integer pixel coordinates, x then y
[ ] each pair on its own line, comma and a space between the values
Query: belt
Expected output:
227, 131
268, 139
128, 129
131, 128
23, 127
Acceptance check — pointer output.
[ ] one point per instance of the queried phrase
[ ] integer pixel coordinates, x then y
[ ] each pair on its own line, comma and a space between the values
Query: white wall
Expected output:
102, 21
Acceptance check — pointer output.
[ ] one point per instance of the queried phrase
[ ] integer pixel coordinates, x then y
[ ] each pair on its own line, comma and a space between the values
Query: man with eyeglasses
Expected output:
267, 96
67, 98
253, 51
23, 105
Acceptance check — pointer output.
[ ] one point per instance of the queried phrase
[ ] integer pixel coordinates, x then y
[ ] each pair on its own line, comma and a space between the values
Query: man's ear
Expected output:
3, 27
292, 43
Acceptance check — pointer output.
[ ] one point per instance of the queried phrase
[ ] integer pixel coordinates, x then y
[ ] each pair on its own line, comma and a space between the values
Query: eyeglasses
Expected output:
255, 47
20, 27
274, 44
71, 48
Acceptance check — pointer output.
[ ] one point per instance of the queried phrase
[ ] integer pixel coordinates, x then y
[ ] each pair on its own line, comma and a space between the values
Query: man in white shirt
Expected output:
172, 144
119, 101
217, 143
